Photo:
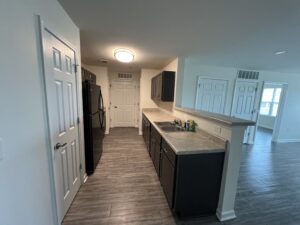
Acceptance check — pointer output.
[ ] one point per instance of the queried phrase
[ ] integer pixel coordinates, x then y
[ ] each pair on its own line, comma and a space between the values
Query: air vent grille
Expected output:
248, 75
125, 76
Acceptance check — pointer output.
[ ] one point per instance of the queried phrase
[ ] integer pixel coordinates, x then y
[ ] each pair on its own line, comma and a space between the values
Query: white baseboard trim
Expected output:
85, 177
286, 140
224, 216
107, 132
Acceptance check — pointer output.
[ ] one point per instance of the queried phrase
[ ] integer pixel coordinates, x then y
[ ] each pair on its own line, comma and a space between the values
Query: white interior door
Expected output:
123, 104
211, 95
243, 105
60, 82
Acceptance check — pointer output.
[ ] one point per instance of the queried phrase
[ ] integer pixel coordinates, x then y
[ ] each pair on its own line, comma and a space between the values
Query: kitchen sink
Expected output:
168, 126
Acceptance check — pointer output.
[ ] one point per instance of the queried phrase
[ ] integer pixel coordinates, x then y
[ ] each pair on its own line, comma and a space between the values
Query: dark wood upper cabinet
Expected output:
162, 86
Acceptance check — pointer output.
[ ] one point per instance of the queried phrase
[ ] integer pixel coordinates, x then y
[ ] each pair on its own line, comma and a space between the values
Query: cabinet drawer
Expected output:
168, 151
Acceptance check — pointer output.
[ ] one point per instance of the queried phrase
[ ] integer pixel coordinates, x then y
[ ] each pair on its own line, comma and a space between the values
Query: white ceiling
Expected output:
235, 33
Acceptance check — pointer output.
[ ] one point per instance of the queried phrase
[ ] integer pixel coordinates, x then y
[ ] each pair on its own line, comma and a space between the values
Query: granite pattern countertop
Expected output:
185, 142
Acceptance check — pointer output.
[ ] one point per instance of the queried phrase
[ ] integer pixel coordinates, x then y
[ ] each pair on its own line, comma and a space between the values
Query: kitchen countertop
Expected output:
184, 142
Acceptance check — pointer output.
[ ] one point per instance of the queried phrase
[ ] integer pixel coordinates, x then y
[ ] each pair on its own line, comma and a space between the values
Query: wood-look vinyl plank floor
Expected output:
125, 188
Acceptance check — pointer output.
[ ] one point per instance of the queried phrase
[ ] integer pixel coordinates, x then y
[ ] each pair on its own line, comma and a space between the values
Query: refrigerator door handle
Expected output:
100, 103
100, 119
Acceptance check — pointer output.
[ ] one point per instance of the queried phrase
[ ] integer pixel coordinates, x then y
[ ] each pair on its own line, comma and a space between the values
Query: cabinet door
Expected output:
144, 129
156, 160
148, 128
152, 147
158, 86
167, 178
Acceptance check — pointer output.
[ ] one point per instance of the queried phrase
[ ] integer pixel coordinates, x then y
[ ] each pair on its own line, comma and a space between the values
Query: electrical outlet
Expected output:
1, 150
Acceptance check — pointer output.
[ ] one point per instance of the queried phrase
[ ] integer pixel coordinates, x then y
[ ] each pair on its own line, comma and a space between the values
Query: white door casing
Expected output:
123, 104
277, 124
211, 95
243, 104
60, 83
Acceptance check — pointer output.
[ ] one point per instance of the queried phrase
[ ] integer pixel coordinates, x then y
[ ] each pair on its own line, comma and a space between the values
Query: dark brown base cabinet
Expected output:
155, 146
197, 183
191, 182
167, 172
146, 127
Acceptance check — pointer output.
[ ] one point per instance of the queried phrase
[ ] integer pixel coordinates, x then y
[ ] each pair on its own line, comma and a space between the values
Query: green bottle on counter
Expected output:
192, 126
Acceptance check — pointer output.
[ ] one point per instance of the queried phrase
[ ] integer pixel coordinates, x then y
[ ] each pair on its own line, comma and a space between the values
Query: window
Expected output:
270, 101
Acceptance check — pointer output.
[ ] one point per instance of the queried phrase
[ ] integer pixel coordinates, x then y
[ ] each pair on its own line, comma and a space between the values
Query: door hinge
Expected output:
110, 85
75, 67
78, 120
80, 167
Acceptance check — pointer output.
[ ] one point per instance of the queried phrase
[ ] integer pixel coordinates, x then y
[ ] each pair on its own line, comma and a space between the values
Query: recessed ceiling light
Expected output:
124, 55
280, 52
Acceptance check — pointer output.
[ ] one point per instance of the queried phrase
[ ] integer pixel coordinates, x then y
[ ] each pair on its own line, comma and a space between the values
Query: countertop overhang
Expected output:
222, 119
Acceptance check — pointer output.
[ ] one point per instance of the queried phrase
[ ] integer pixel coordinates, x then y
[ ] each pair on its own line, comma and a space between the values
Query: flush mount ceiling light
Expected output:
280, 52
124, 55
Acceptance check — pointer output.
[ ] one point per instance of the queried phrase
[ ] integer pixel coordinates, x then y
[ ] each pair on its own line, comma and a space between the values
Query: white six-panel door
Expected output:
243, 105
60, 82
211, 95
123, 104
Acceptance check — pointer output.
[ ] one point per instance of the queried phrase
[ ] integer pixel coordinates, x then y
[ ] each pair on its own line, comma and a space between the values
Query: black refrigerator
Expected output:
94, 124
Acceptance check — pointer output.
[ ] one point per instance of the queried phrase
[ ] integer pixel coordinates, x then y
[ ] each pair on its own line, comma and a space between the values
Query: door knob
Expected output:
116, 107
59, 145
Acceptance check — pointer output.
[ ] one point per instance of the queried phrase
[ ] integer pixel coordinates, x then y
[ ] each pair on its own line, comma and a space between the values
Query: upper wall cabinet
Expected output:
162, 86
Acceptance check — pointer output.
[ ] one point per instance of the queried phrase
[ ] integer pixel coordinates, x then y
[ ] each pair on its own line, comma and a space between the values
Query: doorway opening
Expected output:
271, 104
124, 99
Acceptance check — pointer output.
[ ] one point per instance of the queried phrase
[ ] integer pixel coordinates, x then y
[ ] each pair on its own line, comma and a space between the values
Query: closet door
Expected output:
211, 95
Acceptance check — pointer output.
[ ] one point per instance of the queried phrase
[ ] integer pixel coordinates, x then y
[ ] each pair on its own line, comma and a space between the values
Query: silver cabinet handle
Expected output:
59, 145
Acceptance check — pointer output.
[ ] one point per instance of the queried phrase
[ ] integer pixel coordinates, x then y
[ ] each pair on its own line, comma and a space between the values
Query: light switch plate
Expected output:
1, 150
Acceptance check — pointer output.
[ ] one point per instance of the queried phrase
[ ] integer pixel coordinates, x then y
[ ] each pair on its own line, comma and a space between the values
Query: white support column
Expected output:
230, 175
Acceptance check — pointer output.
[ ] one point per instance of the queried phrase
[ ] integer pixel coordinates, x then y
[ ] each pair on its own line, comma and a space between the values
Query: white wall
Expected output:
25, 194
290, 116
102, 79
192, 70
